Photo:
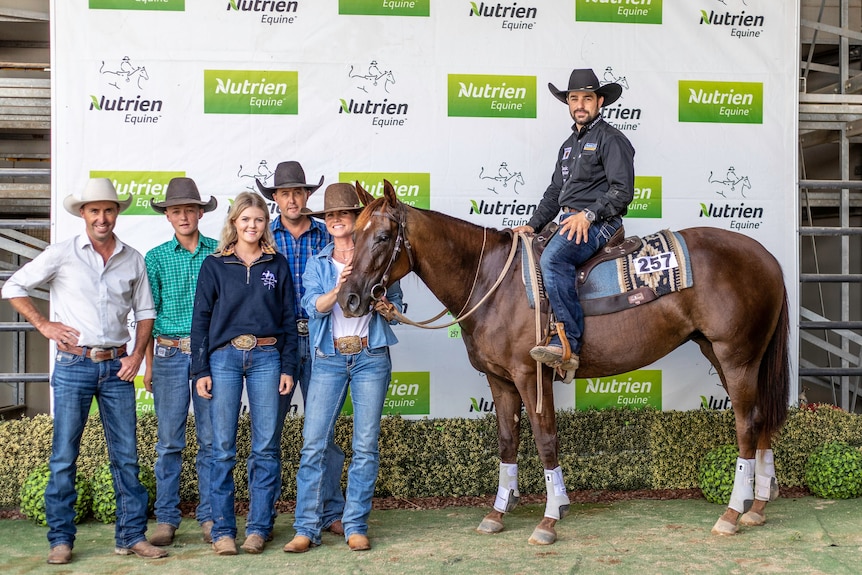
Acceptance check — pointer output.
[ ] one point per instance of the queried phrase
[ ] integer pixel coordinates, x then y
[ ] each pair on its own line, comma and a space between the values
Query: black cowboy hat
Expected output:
181, 192
288, 175
585, 80
337, 197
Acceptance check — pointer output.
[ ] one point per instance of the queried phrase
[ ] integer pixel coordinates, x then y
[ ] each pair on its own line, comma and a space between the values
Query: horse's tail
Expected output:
773, 381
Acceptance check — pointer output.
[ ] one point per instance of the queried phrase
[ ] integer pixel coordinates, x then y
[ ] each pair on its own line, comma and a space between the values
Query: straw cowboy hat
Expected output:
337, 197
96, 190
585, 80
288, 175
182, 192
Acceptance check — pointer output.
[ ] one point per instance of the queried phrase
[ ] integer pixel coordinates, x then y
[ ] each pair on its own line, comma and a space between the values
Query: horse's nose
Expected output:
352, 302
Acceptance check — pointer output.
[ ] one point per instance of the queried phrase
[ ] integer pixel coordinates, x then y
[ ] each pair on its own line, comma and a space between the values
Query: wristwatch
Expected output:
590, 215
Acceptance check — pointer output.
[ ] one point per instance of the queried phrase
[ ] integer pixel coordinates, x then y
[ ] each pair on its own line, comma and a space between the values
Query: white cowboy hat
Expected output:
96, 190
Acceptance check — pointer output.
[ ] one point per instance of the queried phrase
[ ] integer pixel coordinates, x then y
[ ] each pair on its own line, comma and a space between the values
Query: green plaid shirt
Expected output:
173, 273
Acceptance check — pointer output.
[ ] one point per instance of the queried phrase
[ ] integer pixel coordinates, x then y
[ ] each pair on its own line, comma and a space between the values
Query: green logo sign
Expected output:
143, 399
250, 92
721, 102
164, 5
412, 188
409, 393
647, 200
639, 388
619, 11
141, 186
485, 96
384, 7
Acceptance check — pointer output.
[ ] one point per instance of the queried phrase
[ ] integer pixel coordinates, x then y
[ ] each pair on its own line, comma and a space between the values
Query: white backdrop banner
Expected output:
449, 101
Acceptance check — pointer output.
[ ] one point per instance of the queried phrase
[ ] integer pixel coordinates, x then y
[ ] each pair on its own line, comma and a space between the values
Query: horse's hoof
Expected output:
752, 518
489, 526
723, 527
542, 537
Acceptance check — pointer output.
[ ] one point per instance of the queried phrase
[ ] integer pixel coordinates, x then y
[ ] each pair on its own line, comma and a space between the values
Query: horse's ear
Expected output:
364, 196
389, 193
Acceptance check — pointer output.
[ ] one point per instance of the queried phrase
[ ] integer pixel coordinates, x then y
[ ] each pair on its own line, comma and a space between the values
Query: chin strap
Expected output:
507, 491
765, 484
742, 497
557, 504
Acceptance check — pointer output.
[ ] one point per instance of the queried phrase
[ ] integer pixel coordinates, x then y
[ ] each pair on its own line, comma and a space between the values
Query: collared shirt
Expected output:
87, 294
173, 273
594, 171
298, 251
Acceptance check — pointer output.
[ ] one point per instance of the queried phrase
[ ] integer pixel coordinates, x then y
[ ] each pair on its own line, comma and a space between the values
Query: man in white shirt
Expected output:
95, 281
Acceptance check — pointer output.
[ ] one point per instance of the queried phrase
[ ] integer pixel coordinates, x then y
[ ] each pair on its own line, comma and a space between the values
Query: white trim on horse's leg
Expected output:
765, 483
557, 504
742, 496
507, 489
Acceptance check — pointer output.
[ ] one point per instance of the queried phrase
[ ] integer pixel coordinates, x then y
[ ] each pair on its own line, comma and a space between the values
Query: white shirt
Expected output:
344, 326
91, 296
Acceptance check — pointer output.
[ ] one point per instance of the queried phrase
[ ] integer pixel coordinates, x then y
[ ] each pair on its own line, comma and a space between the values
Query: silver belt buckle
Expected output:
186, 345
93, 351
302, 326
349, 344
244, 342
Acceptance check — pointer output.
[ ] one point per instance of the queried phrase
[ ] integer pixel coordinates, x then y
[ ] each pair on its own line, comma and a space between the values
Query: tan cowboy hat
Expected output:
585, 80
288, 175
337, 197
96, 190
182, 192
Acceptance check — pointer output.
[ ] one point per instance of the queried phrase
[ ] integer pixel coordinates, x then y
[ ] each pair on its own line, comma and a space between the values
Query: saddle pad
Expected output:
661, 267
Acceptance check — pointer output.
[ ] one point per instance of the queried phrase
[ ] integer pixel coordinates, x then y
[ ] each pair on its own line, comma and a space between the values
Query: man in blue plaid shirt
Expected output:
298, 237
173, 268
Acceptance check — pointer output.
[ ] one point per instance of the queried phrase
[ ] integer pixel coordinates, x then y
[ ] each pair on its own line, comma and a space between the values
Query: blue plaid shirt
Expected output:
298, 252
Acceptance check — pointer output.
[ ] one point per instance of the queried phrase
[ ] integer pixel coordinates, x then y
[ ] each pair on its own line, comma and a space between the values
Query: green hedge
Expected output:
609, 449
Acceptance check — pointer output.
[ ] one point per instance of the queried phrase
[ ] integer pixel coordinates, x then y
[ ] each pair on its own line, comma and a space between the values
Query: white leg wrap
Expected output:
742, 496
765, 483
507, 490
557, 504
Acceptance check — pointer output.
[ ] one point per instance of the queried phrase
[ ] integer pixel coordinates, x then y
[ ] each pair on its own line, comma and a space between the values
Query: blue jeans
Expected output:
76, 380
172, 392
260, 369
559, 264
333, 496
367, 376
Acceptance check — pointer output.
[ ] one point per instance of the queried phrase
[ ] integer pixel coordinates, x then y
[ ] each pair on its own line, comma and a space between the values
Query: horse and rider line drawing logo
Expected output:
732, 183
373, 80
503, 178
126, 75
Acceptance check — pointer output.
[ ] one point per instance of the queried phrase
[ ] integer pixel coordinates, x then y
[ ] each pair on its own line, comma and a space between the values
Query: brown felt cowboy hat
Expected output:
336, 198
183, 192
585, 80
96, 190
288, 175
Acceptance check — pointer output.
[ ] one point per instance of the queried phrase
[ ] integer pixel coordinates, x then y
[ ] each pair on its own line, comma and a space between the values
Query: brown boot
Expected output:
60, 554
225, 546
207, 531
336, 527
299, 544
253, 544
142, 549
358, 542
163, 535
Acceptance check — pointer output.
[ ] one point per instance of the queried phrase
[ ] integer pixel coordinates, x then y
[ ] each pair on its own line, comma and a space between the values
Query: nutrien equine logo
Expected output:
735, 214
738, 22
375, 84
250, 92
488, 96
618, 114
511, 16
639, 388
412, 188
121, 93
647, 201
271, 11
619, 11
163, 5
721, 102
409, 393
384, 7
141, 186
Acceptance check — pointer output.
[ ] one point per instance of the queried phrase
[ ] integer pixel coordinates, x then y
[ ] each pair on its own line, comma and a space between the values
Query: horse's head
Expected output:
379, 256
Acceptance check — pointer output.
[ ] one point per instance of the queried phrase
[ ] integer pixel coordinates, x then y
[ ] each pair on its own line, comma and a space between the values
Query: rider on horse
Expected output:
593, 184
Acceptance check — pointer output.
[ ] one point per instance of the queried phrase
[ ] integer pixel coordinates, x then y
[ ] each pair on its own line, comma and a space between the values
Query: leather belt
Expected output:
183, 343
246, 341
98, 354
302, 326
569, 210
350, 344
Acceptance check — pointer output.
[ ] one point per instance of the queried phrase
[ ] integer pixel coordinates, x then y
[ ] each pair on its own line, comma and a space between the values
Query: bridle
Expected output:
378, 290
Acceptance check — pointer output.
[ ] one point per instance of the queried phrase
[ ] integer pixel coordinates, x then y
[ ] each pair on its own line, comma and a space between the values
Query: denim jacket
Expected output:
320, 277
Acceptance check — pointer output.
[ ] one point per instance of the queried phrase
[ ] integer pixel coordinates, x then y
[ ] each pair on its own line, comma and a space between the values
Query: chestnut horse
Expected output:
736, 312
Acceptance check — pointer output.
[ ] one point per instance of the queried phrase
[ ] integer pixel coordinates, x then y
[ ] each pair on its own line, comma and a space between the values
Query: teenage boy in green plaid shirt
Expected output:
173, 269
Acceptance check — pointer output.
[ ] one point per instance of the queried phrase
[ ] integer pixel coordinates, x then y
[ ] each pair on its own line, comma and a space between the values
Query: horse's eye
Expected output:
381, 238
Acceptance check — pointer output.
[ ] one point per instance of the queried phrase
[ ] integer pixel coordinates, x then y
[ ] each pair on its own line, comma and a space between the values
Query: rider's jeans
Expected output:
559, 264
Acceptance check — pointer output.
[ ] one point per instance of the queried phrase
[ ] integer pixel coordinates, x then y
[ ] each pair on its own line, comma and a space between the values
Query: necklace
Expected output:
343, 251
